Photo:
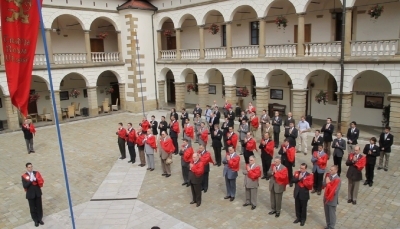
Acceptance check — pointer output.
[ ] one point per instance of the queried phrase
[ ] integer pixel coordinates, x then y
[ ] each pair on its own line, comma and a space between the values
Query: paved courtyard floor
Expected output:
145, 199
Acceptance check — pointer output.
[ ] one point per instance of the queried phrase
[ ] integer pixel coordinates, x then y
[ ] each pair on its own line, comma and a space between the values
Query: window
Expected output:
223, 27
332, 90
254, 31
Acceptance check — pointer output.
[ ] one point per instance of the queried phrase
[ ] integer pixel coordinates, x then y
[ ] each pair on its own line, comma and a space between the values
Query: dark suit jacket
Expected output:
286, 122
353, 173
371, 158
165, 126
154, 125
172, 133
27, 133
228, 172
284, 158
243, 118
315, 144
184, 116
301, 193
231, 118
175, 115
225, 127
386, 143
338, 150
217, 115
32, 191
276, 124
193, 179
291, 136
216, 139
327, 132
197, 111
353, 136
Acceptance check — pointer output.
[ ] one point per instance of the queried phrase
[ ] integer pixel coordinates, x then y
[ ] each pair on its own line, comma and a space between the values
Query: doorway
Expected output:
171, 43
307, 33
171, 90
338, 26
32, 106
96, 45
115, 94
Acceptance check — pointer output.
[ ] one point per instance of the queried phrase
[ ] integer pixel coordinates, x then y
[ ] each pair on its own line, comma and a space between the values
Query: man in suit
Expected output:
304, 127
303, 181
231, 167
278, 179
186, 154
208, 113
332, 185
150, 147
319, 159
291, 134
270, 130
254, 123
163, 125
288, 154
205, 158
371, 151
166, 150
197, 110
339, 146
328, 131
316, 141
231, 138
225, 129
213, 122
231, 117
217, 113
356, 162
153, 125
173, 133
352, 136
140, 140
216, 137
184, 116
197, 125
131, 141
264, 119
243, 116
289, 119
29, 130
189, 131
121, 133
251, 145
276, 123
385, 144
32, 182
203, 135
251, 177
243, 129
196, 171
173, 113
267, 153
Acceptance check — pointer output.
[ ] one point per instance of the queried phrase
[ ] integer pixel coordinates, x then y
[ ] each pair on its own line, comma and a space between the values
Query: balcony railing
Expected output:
105, 57
374, 47
284, 50
69, 58
322, 49
215, 53
40, 59
190, 53
245, 51
168, 54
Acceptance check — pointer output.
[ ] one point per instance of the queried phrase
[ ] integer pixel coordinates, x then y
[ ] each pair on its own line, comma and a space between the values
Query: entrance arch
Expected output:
73, 92
280, 86
108, 88
39, 98
245, 84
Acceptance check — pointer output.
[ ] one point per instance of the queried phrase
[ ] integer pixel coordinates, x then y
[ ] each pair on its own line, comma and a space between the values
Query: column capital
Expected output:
86, 31
48, 29
349, 8
393, 96
160, 81
202, 84
160, 31
6, 96
301, 14
202, 26
178, 29
261, 18
91, 87
261, 87
299, 90
121, 84
179, 83
227, 23
55, 91
344, 93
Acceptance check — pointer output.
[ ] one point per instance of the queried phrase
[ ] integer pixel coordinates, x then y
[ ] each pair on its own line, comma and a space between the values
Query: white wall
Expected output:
3, 114
94, 4
217, 80
190, 35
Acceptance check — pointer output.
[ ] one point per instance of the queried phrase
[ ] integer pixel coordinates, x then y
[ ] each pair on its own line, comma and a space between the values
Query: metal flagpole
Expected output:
39, 4
140, 73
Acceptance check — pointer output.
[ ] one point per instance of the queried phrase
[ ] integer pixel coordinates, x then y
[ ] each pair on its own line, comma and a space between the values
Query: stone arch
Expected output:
297, 6
207, 14
312, 73
87, 84
95, 17
161, 22
239, 71
238, 5
274, 73
43, 79
184, 17
325, 3
210, 73
117, 76
383, 76
71, 13
184, 73
163, 73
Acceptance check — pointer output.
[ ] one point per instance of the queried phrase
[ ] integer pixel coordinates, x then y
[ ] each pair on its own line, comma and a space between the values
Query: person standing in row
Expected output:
197, 125
332, 185
289, 119
197, 111
339, 146
184, 116
174, 132
225, 129
276, 123
173, 114
29, 131
288, 154
352, 136
216, 137
267, 153
154, 125
385, 144
140, 140
319, 159
328, 131
203, 135
254, 123
356, 162
32, 181
303, 127
163, 125
188, 131
278, 175
131, 141
371, 151
195, 178
205, 158
251, 145
264, 119
121, 133
231, 117
150, 147
186, 154
242, 117
232, 138
144, 124
316, 141
291, 134
166, 150
208, 113
231, 167
250, 108
252, 175
304, 182
217, 114
243, 130
270, 130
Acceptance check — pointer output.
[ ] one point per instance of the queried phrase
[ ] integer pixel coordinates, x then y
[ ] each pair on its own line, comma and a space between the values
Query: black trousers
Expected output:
301, 208
185, 174
318, 178
266, 162
369, 172
35, 207
132, 152
121, 145
224, 140
204, 183
247, 155
289, 167
217, 154
338, 161
196, 192
175, 141
276, 139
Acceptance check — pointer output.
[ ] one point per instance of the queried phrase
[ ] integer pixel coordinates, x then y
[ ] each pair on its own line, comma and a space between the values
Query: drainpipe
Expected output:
154, 59
342, 66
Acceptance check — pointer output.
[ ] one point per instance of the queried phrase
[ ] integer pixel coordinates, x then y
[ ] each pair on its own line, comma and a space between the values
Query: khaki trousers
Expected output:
353, 189
251, 196
302, 143
327, 148
166, 168
141, 155
387, 156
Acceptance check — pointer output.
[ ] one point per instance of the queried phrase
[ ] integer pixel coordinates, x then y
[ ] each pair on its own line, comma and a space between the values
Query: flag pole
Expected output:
140, 73
39, 4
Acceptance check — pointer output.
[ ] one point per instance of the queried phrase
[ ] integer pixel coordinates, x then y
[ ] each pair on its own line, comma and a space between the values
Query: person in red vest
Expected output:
231, 167
278, 175
226, 107
251, 108
267, 153
121, 132
32, 182
186, 154
251, 145
252, 175
189, 131
288, 158
29, 131
206, 159
332, 185
304, 182
231, 138
203, 135
254, 123
131, 141
166, 150
144, 124
150, 147
319, 159
195, 178
356, 162
140, 136
174, 132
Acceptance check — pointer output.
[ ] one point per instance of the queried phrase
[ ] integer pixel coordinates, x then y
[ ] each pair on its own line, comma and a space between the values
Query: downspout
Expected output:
342, 66
154, 58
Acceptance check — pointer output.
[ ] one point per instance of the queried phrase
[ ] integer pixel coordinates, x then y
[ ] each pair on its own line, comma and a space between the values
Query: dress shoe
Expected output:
41, 222
385, 170
34, 152
120, 158
313, 191
188, 184
142, 165
253, 207
198, 204
168, 175
205, 190
370, 184
302, 223
319, 193
366, 182
151, 169
29, 152
246, 204
227, 197
148, 168
36, 224
130, 161
305, 153
296, 221
164, 174
232, 199
277, 214
133, 162
264, 177
219, 165
379, 168
184, 183
349, 201
193, 202
291, 185
354, 202
271, 212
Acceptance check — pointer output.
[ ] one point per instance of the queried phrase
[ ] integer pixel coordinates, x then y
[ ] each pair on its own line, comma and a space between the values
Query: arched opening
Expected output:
168, 37
107, 89
39, 105
280, 86
189, 35
170, 82
245, 87
244, 22
370, 95
191, 87
216, 83
214, 42
73, 93
103, 41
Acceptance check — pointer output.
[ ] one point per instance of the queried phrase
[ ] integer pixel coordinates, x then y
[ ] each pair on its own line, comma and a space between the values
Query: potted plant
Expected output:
167, 33
281, 21
102, 35
34, 97
243, 92
322, 97
109, 90
190, 87
74, 93
214, 29
375, 11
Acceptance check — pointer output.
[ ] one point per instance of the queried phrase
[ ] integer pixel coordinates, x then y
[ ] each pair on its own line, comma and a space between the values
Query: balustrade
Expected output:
215, 53
245, 51
284, 50
322, 49
374, 47
190, 53
168, 54
105, 57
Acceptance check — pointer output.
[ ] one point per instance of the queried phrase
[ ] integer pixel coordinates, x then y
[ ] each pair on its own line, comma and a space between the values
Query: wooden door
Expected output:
171, 43
171, 87
96, 45
32, 106
115, 94
307, 33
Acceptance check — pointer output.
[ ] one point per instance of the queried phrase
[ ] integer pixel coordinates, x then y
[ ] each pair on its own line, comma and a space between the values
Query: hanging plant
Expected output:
74, 93
322, 97
281, 21
214, 29
243, 92
190, 87
167, 33
109, 90
375, 11
34, 97
102, 35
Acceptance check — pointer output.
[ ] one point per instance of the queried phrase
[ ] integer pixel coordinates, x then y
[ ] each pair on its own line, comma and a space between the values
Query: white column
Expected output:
87, 46
228, 39
178, 43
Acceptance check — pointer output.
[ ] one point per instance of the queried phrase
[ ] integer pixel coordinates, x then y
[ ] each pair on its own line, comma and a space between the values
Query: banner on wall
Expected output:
19, 27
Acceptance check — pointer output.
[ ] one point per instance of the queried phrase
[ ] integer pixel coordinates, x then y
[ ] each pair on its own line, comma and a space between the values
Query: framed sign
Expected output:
276, 94
375, 102
212, 89
64, 95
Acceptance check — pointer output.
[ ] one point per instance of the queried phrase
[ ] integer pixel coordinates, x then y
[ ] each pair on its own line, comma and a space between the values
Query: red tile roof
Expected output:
137, 4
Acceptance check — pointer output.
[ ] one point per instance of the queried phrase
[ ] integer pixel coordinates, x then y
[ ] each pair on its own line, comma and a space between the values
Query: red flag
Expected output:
20, 26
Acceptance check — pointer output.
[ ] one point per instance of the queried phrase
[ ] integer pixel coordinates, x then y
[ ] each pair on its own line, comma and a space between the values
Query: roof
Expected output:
137, 4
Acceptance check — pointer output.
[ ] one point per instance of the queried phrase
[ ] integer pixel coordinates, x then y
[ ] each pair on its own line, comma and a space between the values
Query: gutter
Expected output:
154, 59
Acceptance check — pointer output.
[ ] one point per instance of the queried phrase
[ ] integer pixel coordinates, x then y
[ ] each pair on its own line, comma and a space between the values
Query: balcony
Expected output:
284, 50
78, 58
323, 49
215, 53
375, 47
245, 51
